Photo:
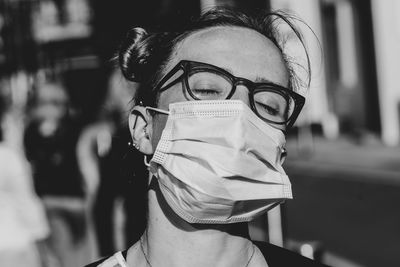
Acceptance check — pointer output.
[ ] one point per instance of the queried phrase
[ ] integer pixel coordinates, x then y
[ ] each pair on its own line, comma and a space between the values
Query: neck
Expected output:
170, 241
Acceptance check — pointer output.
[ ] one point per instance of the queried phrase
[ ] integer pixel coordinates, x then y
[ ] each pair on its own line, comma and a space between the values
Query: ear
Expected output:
140, 126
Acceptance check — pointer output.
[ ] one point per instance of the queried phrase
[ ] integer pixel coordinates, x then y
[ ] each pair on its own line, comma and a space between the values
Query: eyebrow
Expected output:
258, 79
263, 80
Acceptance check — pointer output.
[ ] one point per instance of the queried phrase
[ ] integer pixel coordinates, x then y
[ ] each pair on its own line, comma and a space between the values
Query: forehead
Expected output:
243, 52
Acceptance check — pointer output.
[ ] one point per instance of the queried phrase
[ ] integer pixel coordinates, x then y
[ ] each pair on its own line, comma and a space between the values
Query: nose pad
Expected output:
283, 155
242, 93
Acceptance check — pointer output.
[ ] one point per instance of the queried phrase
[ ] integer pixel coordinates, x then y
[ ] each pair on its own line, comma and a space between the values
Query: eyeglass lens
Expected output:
269, 104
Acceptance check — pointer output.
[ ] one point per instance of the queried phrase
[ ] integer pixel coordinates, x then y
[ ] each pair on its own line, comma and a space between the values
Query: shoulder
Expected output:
112, 261
106, 262
14, 159
6, 151
280, 257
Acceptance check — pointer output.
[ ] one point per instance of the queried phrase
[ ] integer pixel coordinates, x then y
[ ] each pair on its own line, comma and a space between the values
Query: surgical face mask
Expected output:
217, 162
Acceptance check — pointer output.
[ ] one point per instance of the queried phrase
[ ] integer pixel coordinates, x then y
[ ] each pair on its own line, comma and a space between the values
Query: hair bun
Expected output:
133, 54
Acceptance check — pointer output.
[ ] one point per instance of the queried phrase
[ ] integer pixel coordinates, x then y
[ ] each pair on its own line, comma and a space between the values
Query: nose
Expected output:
242, 93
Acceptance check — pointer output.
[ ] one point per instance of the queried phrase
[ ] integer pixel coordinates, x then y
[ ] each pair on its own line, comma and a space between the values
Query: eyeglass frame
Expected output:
252, 87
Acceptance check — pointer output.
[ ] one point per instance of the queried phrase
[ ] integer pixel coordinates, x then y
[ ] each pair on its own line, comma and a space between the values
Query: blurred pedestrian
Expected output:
106, 163
23, 223
50, 144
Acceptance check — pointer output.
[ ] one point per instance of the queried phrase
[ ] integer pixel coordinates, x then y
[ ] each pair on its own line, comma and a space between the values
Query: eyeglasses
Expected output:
271, 102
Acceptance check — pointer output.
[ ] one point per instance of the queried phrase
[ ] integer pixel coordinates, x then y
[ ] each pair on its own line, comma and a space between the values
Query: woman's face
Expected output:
243, 52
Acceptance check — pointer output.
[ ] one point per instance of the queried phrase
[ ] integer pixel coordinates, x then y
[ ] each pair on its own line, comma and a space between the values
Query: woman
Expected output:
215, 102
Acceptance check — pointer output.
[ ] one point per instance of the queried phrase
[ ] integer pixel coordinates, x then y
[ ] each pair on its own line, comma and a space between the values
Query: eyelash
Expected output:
268, 108
205, 91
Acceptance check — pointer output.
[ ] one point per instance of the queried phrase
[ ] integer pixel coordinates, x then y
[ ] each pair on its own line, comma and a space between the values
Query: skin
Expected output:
169, 240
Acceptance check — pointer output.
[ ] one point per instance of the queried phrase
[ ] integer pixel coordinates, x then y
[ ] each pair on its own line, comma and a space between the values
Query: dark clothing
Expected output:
280, 257
122, 175
275, 257
54, 161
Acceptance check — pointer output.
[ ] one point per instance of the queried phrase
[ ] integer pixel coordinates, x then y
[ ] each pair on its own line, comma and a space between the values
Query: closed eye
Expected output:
204, 91
267, 108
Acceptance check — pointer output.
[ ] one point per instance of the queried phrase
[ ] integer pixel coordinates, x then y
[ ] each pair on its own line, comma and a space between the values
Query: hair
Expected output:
143, 56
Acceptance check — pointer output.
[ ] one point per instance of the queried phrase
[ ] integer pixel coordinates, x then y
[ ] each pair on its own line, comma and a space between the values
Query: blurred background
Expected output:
69, 192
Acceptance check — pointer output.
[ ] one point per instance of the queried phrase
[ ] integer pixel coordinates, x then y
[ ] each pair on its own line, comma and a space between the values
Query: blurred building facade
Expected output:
355, 86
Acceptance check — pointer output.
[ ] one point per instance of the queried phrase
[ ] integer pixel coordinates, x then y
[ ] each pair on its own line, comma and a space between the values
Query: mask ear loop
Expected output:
146, 162
138, 113
283, 155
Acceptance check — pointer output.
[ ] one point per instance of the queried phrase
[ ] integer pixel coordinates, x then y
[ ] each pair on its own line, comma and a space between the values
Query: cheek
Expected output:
159, 122
174, 94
